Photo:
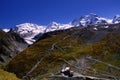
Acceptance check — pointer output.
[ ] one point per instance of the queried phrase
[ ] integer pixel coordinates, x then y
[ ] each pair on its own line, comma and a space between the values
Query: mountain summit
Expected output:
116, 19
28, 31
90, 19
57, 26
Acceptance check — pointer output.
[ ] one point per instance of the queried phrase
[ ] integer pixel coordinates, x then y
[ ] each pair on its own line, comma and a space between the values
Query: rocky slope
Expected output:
11, 45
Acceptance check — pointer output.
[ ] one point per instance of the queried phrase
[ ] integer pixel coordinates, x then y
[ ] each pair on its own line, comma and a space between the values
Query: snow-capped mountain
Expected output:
116, 19
90, 19
28, 31
57, 26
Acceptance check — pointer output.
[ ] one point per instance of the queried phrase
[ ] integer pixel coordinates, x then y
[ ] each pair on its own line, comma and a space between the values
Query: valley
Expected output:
91, 50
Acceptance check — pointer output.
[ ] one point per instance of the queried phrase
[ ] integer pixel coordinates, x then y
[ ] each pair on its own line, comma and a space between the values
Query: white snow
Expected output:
106, 26
29, 30
90, 19
6, 30
109, 21
95, 28
57, 26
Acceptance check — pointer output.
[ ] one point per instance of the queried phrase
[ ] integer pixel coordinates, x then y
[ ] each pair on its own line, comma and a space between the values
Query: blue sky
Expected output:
42, 12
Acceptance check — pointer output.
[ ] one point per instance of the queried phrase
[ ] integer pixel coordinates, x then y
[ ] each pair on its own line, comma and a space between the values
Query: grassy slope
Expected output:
71, 48
108, 51
7, 76
30, 56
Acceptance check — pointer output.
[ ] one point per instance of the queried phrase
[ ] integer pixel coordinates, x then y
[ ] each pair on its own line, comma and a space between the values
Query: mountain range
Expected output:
90, 46
86, 50
30, 31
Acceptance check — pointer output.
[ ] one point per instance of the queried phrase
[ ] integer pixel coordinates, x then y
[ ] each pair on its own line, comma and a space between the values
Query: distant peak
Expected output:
53, 24
6, 30
89, 19
116, 19
117, 16
93, 14
26, 24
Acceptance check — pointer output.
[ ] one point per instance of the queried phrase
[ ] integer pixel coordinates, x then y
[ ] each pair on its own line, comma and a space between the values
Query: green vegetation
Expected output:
68, 46
107, 51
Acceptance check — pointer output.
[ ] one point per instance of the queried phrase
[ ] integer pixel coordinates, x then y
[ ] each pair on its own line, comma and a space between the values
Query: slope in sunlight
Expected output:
7, 76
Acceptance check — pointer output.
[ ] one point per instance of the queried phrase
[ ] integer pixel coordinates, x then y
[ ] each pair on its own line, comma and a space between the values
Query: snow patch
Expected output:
95, 28
6, 30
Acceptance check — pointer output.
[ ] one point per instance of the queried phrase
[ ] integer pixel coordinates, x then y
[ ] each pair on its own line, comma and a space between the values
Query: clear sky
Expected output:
42, 12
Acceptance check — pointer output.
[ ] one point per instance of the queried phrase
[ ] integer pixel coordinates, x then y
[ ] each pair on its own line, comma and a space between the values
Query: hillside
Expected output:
88, 51
7, 76
30, 32
10, 45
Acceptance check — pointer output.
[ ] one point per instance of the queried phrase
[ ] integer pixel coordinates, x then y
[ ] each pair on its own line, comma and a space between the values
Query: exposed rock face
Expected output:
10, 45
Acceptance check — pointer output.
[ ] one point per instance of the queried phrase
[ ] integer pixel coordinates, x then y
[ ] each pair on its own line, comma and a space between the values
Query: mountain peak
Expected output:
6, 30
53, 24
28, 26
90, 19
57, 26
92, 15
117, 15
28, 31
116, 19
